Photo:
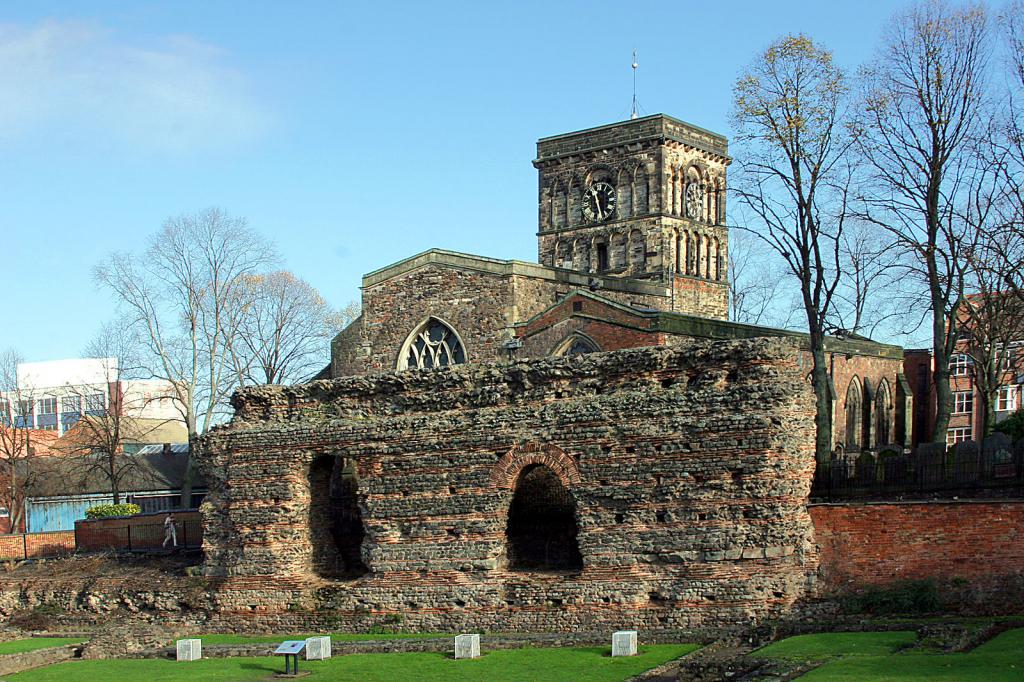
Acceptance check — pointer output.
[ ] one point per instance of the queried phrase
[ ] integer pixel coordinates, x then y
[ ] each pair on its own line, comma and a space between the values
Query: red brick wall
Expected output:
23, 546
142, 531
883, 542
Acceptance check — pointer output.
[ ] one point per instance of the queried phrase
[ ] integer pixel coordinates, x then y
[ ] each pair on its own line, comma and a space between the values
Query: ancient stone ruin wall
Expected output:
653, 488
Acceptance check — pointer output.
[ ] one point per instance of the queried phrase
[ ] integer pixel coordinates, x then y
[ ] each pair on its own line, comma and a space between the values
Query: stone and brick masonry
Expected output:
687, 471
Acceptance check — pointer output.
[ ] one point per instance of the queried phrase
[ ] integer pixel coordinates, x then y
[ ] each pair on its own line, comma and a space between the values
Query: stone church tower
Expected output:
640, 199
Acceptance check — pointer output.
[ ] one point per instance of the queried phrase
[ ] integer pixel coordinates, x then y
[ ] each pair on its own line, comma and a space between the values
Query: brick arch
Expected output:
505, 472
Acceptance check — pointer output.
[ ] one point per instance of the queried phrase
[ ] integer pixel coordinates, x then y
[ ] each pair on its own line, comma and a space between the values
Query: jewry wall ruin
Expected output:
658, 487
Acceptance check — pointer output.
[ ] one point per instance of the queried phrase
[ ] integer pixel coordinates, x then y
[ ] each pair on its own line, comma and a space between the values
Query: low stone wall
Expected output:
15, 663
37, 545
882, 542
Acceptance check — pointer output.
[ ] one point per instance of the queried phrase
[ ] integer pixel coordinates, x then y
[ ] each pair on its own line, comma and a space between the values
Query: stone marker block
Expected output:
467, 646
624, 643
190, 649
318, 648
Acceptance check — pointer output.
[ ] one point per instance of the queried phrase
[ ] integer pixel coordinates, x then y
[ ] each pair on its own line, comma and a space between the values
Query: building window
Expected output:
854, 412
434, 344
577, 344
958, 435
1007, 399
963, 402
95, 404
25, 418
958, 365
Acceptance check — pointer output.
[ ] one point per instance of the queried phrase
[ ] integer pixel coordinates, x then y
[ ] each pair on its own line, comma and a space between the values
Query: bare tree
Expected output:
179, 300
17, 446
917, 123
283, 329
756, 293
869, 290
790, 121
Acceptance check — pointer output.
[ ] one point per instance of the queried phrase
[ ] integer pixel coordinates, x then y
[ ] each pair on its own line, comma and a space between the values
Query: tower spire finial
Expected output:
634, 113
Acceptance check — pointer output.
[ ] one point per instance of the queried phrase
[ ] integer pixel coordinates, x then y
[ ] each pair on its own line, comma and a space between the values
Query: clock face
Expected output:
694, 201
599, 202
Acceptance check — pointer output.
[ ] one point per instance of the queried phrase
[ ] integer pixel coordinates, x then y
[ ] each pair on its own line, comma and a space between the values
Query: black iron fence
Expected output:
137, 537
994, 468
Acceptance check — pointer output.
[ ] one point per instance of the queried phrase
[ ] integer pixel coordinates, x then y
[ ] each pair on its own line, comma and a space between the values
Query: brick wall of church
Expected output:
688, 467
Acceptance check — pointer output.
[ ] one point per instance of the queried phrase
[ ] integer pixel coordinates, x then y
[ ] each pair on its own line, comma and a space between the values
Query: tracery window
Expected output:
435, 344
579, 345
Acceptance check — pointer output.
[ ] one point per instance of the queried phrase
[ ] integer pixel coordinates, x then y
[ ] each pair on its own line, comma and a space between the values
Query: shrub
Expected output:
103, 510
906, 597
1013, 426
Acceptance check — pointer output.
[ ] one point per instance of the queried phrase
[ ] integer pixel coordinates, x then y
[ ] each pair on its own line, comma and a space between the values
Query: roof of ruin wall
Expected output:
698, 368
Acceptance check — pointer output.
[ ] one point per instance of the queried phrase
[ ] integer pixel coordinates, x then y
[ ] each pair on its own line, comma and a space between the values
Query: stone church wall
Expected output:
688, 469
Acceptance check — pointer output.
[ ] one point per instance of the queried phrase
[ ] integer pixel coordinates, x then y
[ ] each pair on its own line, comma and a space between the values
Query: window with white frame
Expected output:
47, 406
1007, 399
958, 435
963, 402
958, 365
94, 404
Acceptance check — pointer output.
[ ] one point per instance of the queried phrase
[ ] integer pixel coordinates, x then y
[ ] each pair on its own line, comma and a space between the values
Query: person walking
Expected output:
170, 532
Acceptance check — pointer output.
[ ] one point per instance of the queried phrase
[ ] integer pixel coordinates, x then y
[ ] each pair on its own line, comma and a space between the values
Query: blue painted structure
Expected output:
60, 513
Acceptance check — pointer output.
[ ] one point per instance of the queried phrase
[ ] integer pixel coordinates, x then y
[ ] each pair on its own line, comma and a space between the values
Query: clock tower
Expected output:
643, 199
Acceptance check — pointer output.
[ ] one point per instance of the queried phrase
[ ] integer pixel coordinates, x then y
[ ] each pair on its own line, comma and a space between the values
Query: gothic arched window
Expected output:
577, 344
883, 414
854, 410
433, 344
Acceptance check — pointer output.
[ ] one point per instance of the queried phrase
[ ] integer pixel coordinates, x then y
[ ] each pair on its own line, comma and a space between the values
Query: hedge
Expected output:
103, 510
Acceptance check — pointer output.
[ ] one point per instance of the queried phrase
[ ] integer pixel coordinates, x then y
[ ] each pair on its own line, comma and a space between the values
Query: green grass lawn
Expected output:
831, 644
336, 636
593, 664
19, 646
875, 656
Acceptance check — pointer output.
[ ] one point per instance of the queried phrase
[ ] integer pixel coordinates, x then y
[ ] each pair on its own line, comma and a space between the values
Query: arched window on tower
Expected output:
581, 255
854, 410
433, 344
640, 191
637, 252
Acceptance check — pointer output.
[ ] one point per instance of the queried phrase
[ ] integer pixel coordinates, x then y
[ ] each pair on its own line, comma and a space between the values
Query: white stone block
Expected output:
190, 649
467, 646
318, 648
624, 643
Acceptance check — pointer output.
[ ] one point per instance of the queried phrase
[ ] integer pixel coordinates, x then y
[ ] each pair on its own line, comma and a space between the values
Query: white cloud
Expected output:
82, 83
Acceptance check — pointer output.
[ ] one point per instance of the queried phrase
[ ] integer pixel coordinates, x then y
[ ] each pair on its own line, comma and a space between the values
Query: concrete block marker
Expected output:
189, 649
624, 643
467, 646
318, 648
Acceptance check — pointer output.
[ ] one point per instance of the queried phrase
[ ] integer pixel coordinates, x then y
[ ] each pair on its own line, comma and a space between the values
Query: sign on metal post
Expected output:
291, 650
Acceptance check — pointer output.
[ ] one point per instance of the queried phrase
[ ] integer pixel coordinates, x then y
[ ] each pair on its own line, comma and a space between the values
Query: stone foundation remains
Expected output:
655, 488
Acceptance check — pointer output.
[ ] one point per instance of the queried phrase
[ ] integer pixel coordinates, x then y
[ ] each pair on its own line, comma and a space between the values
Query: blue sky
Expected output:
351, 135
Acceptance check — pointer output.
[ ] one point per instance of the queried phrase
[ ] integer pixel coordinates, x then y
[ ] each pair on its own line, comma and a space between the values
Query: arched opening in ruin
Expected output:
542, 528
335, 520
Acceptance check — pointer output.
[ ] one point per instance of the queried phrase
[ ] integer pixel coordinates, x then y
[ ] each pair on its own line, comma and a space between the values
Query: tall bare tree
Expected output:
756, 295
789, 116
283, 329
17, 446
179, 299
867, 296
917, 124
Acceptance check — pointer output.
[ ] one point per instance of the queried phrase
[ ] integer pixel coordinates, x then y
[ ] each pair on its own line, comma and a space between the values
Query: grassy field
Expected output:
540, 665
19, 646
876, 656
